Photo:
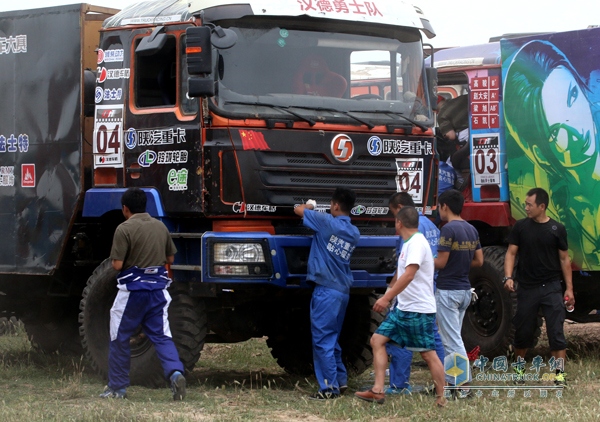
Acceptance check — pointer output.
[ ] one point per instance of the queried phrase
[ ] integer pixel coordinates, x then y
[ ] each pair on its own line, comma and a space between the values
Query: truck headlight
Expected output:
238, 252
240, 259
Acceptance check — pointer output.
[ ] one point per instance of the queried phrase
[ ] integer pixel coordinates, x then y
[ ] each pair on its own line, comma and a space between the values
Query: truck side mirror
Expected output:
199, 56
198, 51
432, 84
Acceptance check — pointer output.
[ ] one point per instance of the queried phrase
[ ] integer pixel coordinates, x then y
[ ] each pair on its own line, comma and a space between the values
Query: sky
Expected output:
456, 23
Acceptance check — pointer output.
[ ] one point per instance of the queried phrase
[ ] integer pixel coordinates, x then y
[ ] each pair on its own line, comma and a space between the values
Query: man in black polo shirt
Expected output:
541, 245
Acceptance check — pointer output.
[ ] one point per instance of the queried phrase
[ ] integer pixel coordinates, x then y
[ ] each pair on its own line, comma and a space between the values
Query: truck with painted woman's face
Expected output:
227, 114
534, 109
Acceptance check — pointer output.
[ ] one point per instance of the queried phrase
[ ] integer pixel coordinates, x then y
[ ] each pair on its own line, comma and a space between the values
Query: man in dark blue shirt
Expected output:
329, 268
458, 250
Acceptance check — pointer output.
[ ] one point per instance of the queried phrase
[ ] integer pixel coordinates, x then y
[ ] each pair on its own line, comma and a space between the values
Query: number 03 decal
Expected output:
486, 159
108, 136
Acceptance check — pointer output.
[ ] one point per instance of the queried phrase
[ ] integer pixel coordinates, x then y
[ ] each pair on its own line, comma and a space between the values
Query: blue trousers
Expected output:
401, 359
327, 311
147, 308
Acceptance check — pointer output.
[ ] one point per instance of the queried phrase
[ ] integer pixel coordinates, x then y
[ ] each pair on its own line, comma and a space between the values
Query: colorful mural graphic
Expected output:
551, 102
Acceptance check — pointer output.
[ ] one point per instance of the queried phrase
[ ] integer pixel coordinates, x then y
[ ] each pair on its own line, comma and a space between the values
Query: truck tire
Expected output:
290, 339
187, 319
58, 332
488, 323
359, 325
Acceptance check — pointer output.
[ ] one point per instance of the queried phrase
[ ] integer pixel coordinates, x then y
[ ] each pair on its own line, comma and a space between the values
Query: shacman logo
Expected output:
342, 148
374, 145
131, 138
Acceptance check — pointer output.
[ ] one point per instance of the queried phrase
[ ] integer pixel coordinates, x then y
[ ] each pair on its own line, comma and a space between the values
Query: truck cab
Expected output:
228, 116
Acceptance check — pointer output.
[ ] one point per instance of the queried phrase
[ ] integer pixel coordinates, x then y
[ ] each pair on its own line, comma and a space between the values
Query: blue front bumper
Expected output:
286, 255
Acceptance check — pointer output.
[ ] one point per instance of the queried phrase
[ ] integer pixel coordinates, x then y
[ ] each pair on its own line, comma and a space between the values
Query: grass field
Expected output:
241, 382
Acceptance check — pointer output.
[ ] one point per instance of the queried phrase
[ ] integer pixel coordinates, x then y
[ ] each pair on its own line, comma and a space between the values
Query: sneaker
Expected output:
393, 390
560, 379
343, 389
324, 395
371, 396
178, 386
109, 393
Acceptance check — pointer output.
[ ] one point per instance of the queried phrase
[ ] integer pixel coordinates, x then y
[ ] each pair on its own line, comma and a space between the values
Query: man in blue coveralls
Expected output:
400, 357
141, 247
329, 269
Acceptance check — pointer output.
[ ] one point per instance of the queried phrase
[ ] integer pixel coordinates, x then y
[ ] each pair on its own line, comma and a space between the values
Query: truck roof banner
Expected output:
386, 12
552, 114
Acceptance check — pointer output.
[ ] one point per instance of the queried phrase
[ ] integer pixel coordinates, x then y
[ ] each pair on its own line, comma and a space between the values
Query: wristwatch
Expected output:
505, 279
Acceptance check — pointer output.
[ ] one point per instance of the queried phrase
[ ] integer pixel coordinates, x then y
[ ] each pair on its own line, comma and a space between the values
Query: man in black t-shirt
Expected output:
541, 245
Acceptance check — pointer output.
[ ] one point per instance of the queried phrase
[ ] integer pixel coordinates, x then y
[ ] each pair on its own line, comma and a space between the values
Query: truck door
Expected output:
149, 110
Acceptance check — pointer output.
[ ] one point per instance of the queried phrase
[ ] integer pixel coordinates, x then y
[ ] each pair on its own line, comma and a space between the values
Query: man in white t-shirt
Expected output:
410, 322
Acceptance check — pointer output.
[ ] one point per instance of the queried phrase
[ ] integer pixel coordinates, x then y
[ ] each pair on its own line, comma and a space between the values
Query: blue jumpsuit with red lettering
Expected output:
329, 268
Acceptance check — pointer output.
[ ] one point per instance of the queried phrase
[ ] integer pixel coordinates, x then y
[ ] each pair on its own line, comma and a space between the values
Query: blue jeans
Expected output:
451, 308
327, 311
401, 359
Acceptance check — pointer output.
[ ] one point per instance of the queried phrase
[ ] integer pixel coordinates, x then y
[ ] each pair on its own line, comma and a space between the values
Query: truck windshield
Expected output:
292, 74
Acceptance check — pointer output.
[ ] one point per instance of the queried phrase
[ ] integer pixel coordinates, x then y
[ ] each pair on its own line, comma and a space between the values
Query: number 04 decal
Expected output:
410, 177
108, 140
108, 136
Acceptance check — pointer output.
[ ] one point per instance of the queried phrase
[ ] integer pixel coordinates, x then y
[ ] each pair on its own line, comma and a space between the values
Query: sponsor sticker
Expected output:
241, 207
147, 158
7, 175
28, 175
177, 179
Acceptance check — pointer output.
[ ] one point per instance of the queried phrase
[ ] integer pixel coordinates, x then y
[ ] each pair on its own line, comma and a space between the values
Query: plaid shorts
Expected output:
411, 330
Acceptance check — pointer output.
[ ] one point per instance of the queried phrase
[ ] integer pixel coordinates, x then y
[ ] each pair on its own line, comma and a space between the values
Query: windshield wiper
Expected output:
274, 107
352, 116
409, 120
333, 110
